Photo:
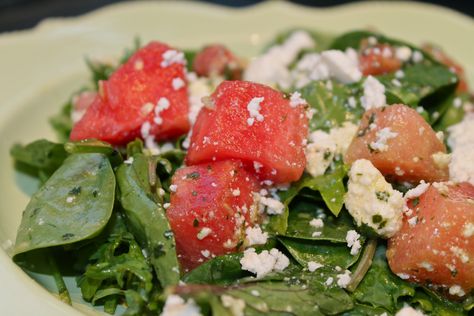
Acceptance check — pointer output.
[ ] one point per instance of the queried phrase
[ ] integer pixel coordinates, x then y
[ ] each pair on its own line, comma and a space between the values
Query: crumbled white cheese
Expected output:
271, 68
403, 53
236, 305
353, 241
456, 290
461, 141
264, 262
171, 57
255, 236
441, 159
324, 146
175, 305
177, 83
417, 191
417, 56
313, 266
317, 223
129, 161
372, 201
205, 253
374, 94
70, 199
163, 104
468, 230
203, 233
344, 279
329, 281
199, 88
399, 74
309, 68
254, 110
409, 311
236, 192
173, 187
382, 136
342, 65
270, 205
296, 99
460, 253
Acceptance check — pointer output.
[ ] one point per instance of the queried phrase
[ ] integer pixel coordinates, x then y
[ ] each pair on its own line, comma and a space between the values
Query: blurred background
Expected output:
22, 14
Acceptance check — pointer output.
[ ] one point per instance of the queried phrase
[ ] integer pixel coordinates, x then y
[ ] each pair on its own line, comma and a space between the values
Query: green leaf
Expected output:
303, 211
364, 310
326, 253
74, 204
380, 287
40, 158
436, 305
331, 106
147, 220
419, 82
451, 114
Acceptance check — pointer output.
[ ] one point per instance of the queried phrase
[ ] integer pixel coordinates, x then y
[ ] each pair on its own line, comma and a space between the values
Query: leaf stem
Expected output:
364, 264
58, 279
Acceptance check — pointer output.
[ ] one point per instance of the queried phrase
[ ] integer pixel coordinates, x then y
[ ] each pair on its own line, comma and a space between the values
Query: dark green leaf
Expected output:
58, 215
380, 287
147, 219
62, 122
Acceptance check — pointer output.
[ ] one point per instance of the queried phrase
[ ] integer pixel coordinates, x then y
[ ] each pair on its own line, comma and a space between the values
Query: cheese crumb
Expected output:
372, 201
409, 311
417, 191
254, 110
203, 233
461, 141
344, 279
317, 223
175, 305
313, 266
468, 230
255, 236
383, 135
296, 99
236, 305
353, 242
173, 187
177, 83
171, 57
374, 94
264, 262
236, 192
456, 290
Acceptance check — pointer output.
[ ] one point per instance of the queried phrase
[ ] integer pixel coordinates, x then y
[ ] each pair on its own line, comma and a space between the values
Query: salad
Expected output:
330, 175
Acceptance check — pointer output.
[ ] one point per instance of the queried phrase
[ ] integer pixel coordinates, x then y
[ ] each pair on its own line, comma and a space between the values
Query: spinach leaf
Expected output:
147, 220
330, 187
453, 113
303, 211
380, 287
421, 84
73, 205
436, 305
326, 253
364, 310
293, 298
40, 158
331, 105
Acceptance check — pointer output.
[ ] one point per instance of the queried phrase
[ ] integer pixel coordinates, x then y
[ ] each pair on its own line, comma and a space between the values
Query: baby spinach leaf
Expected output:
147, 220
330, 186
380, 287
365, 310
435, 304
303, 211
73, 205
452, 114
326, 253
419, 82
331, 105
40, 158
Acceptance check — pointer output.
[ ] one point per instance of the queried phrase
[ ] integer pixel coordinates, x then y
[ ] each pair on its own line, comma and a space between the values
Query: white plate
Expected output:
40, 68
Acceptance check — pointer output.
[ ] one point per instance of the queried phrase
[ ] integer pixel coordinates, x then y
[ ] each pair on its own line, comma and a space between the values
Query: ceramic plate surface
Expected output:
41, 67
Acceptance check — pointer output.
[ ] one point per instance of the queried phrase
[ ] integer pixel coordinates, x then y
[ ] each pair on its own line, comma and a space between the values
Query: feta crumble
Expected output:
270, 205
417, 191
313, 266
203, 233
255, 236
175, 305
264, 262
254, 110
177, 83
374, 94
353, 241
343, 66
372, 201
344, 279
296, 99
323, 147
317, 223
409, 311
236, 305
461, 141
171, 57
271, 68
456, 290
382, 136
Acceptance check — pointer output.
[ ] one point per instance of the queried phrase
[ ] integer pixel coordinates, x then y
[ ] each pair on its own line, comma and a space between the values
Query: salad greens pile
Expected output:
117, 242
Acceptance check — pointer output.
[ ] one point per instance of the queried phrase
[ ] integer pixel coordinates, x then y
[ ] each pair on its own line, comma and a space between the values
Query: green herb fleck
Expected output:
382, 195
195, 222
193, 175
